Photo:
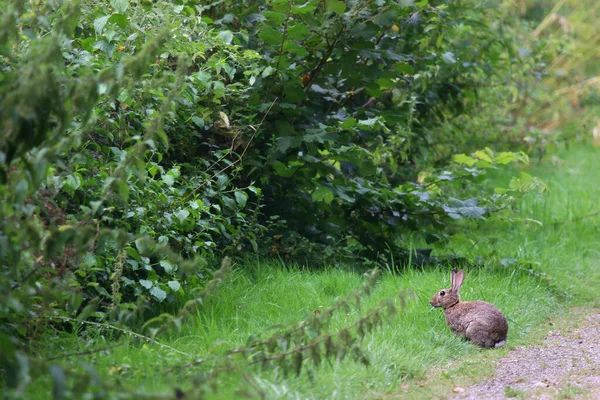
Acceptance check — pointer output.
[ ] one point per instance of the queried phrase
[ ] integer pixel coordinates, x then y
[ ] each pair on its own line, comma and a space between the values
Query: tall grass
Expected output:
266, 294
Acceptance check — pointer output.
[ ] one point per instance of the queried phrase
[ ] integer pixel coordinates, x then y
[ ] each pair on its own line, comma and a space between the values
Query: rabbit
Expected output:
480, 322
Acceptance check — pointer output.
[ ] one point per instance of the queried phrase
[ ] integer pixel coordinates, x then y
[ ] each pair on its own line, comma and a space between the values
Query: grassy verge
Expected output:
529, 271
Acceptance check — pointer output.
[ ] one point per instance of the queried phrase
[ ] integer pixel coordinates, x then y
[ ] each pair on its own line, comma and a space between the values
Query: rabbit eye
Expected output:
442, 293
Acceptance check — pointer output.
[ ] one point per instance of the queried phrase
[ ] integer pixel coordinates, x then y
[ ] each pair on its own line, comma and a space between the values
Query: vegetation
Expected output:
144, 141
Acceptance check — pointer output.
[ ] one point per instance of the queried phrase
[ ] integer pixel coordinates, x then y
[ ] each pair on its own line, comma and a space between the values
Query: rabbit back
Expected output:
478, 321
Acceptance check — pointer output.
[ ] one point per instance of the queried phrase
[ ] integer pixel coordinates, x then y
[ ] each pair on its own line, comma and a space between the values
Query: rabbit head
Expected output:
448, 297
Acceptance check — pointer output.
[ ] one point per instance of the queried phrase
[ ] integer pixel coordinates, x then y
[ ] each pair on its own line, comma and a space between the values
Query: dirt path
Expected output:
566, 365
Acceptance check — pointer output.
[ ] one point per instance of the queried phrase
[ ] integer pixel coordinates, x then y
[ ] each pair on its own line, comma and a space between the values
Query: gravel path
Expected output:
566, 365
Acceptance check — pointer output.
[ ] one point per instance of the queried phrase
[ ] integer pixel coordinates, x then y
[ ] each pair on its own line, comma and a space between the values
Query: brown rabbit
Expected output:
480, 322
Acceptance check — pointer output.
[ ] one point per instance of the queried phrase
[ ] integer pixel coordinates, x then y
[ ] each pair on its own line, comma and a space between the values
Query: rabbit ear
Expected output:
457, 279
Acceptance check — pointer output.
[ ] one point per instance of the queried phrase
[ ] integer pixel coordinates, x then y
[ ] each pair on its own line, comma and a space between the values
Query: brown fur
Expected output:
480, 322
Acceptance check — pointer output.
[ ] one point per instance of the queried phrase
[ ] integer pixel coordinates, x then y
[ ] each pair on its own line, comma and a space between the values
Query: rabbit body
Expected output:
478, 321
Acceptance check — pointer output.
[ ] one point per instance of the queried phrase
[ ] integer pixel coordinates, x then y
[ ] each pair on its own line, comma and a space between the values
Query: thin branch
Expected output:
37, 267
116, 328
86, 352
315, 73
284, 37
363, 289
323, 339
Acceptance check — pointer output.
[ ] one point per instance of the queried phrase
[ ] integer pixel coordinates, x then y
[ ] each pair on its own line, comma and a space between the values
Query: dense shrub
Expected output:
143, 140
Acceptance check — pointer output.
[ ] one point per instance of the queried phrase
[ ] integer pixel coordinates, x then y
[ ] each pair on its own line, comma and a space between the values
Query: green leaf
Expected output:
283, 170
349, 123
255, 190
505, 158
270, 36
241, 198
227, 36
322, 194
167, 266
142, 244
182, 214
199, 122
274, 18
267, 71
174, 285
449, 58
485, 155
222, 181
119, 19
158, 293
105, 47
59, 382
298, 32
404, 68
100, 23
336, 6
464, 159
287, 142
370, 122
169, 180
120, 5
146, 283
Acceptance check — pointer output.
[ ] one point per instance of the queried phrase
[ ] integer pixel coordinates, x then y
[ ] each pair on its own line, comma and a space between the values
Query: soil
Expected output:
566, 365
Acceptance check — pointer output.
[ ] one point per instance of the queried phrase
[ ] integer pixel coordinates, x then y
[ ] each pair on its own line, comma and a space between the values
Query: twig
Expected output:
400, 295
86, 352
581, 218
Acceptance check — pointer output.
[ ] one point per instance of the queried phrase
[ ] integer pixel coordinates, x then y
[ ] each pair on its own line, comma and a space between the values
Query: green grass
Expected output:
563, 252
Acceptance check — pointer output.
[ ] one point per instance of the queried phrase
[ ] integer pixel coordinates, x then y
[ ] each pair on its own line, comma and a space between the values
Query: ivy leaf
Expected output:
158, 293
322, 194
